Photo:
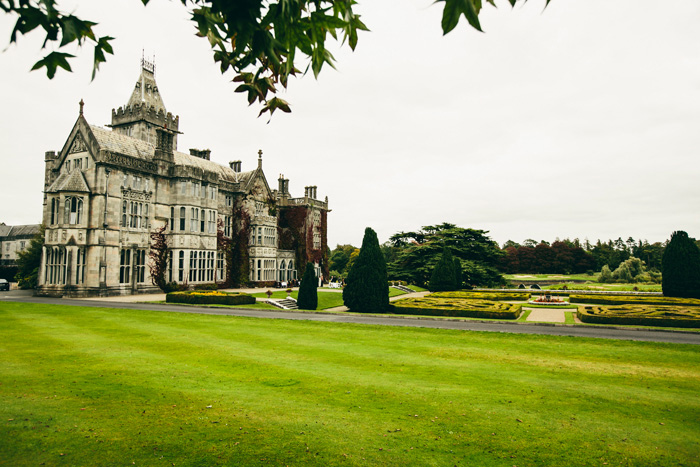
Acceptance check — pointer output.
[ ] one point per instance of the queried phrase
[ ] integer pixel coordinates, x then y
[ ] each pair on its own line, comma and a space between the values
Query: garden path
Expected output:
546, 315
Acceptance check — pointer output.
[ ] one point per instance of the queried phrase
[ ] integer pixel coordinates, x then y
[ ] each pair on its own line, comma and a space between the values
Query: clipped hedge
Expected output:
633, 299
641, 315
210, 298
455, 307
474, 295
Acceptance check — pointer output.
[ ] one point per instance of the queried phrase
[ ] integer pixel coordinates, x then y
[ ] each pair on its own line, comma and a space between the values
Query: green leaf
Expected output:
101, 47
53, 61
274, 104
455, 8
73, 28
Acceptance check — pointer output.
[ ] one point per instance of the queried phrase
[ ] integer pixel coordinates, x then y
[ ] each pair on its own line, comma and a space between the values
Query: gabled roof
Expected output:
73, 182
122, 144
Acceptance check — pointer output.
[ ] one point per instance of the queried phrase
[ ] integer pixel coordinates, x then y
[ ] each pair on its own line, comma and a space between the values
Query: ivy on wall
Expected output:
238, 257
223, 245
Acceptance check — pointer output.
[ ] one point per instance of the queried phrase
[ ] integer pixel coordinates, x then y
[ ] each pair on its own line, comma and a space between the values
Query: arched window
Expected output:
183, 212
66, 211
53, 211
79, 212
124, 223
181, 265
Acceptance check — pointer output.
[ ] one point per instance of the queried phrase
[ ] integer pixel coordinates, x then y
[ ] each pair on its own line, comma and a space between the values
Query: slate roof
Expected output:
19, 231
73, 182
122, 144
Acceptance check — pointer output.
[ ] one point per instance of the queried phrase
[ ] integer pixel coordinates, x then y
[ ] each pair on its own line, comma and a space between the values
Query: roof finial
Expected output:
81, 106
260, 158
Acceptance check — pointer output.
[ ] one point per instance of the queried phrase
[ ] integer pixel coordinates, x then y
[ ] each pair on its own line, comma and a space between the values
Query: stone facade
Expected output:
13, 239
106, 191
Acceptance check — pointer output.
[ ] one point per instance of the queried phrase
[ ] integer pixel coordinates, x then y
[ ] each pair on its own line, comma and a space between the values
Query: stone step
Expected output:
403, 288
285, 304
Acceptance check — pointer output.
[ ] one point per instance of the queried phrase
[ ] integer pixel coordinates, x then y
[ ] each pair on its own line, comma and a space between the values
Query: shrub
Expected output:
195, 297
633, 299
174, 287
366, 287
206, 287
456, 307
605, 275
443, 277
307, 299
681, 267
641, 315
494, 296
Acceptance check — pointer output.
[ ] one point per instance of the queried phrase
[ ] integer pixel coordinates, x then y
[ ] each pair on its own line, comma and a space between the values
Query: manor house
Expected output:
108, 190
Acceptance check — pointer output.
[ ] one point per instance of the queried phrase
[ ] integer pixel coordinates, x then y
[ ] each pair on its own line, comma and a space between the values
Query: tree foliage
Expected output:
29, 262
259, 40
367, 288
308, 293
443, 277
681, 263
420, 251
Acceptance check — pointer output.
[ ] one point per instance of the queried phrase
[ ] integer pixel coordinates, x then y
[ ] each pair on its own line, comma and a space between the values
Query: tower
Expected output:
145, 110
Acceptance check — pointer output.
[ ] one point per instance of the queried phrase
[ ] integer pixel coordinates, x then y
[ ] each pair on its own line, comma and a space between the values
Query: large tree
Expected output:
681, 263
420, 251
259, 40
367, 287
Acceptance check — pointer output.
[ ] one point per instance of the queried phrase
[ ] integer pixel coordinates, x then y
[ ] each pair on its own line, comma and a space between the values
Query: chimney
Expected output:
164, 145
235, 165
203, 154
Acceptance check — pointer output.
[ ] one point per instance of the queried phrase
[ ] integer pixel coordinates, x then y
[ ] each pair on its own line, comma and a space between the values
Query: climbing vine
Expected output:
223, 245
158, 255
292, 222
239, 257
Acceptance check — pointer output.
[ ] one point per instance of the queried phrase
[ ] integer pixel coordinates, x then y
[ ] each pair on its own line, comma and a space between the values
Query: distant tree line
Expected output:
575, 257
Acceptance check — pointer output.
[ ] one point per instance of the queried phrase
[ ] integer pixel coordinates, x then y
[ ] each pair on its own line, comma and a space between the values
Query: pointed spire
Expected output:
81, 106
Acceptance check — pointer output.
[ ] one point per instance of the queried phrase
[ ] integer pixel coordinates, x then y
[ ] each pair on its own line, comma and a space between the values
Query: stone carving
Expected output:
78, 145
128, 193
126, 161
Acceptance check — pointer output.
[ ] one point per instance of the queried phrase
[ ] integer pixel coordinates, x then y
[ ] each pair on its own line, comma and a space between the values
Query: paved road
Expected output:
602, 332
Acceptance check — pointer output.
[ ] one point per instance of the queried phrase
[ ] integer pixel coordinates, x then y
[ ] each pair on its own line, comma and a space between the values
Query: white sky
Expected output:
582, 120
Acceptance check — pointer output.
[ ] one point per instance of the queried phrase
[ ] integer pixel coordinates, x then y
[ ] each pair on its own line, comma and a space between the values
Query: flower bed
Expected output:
642, 315
455, 307
493, 296
634, 299
195, 297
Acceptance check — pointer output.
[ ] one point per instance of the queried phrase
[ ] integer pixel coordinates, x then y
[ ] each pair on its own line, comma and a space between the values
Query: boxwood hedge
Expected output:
195, 297
633, 299
642, 315
494, 296
455, 307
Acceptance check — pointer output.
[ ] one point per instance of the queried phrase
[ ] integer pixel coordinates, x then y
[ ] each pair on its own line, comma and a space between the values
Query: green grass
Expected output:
96, 386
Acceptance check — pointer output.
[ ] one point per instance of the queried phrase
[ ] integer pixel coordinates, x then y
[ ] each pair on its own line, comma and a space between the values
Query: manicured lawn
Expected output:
97, 386
325, 299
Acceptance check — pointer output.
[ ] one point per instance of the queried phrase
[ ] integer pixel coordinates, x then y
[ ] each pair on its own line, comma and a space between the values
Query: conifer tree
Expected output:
367, 286
681, 267
443, 277
458, 274
308, 295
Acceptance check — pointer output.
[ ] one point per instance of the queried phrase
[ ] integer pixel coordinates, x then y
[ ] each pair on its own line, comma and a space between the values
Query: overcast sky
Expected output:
578, 121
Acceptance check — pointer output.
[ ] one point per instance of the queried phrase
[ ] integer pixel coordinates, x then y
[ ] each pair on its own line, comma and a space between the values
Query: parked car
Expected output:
4, 285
